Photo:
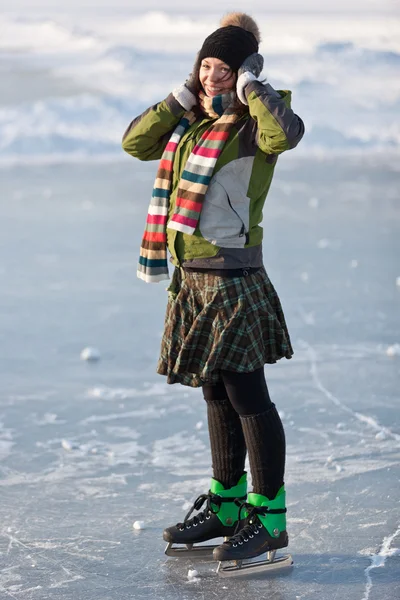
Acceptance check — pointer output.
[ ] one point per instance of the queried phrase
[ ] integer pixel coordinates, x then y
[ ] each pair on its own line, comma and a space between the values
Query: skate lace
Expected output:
205, 514
252, 522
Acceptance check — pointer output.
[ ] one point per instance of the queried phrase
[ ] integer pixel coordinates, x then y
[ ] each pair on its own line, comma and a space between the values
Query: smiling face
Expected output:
216, 77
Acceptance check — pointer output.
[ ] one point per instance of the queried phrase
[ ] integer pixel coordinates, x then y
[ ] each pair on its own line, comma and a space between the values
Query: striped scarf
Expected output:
192, 188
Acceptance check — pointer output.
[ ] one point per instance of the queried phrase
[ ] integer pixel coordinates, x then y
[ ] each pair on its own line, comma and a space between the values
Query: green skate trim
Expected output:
228, 512
273, 522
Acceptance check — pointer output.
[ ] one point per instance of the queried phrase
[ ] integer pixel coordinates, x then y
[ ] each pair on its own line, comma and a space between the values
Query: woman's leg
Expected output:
228, 448
262, 428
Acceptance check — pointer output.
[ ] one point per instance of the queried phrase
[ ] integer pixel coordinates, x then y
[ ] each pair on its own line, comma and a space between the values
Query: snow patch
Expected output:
114, 68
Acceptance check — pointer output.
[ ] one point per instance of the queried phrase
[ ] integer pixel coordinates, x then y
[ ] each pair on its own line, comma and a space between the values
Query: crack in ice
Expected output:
373, 423
379, 559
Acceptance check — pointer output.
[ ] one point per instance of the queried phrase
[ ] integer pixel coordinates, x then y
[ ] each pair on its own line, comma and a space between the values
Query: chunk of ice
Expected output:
139, 525
90, 354
192, 573
69, 445
393, 350
87, 205
304, 276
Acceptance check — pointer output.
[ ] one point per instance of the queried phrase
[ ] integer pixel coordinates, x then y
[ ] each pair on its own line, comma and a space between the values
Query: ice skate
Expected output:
263, 531
218, 519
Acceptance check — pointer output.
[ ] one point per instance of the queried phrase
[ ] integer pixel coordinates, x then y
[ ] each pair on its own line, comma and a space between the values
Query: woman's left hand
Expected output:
254, 64
249, 71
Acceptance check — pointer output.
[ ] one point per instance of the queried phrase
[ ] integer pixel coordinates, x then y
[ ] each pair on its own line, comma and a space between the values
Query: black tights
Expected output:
241, 416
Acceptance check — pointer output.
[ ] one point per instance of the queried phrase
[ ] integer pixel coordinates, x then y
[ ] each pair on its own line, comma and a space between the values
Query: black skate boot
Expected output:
218, 519
262, 531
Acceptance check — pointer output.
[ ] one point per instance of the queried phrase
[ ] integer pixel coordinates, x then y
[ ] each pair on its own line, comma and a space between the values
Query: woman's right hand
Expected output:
186, 94
192, 81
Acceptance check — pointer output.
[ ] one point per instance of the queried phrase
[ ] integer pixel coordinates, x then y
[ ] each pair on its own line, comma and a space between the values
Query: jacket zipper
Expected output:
243, 228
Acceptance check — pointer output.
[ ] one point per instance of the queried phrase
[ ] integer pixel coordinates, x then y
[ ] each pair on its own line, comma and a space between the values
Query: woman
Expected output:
218, 137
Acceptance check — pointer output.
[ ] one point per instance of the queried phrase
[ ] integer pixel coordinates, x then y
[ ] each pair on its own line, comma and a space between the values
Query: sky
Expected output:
345, 6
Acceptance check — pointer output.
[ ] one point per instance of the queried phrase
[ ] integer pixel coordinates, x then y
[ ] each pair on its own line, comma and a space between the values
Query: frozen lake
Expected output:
88, 449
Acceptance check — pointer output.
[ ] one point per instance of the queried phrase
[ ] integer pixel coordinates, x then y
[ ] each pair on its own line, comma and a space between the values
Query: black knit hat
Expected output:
230, 44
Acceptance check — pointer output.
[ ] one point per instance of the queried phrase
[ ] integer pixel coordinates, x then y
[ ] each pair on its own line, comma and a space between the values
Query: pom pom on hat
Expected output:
242, 20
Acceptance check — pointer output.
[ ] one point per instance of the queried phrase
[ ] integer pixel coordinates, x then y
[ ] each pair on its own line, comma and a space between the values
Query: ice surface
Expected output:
88, 449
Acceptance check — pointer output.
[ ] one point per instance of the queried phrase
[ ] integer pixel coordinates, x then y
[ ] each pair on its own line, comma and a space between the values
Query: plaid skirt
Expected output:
213, 323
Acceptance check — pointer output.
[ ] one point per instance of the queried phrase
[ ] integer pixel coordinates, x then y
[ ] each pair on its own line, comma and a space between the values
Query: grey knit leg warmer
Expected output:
228, 448
265, 441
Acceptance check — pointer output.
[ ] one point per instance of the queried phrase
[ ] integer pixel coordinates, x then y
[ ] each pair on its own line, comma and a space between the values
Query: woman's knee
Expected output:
214, 392
247, 392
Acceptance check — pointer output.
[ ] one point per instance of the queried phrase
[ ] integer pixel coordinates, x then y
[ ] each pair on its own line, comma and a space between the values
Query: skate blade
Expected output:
189, 551
269, 566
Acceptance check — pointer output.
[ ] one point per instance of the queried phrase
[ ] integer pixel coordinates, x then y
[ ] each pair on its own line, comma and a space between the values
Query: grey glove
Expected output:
191, 82
249, 71
186, 94
253, 63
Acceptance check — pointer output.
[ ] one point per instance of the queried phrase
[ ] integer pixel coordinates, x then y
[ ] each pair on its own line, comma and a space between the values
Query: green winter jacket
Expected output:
228, 233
